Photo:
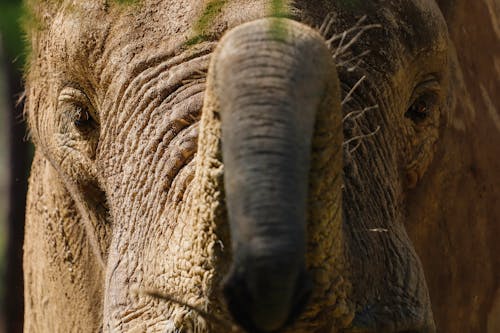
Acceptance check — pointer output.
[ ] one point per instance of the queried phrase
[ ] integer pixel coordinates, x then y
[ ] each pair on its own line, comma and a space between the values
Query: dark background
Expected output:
15, 155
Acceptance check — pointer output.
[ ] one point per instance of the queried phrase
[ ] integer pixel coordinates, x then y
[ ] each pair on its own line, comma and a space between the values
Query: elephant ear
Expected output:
457, 236
448, 7
474, 28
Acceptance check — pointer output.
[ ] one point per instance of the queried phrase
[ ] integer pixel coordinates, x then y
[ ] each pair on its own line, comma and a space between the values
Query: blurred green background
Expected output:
14, 165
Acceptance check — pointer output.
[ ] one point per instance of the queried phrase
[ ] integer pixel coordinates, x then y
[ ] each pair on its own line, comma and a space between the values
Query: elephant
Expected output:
262, 166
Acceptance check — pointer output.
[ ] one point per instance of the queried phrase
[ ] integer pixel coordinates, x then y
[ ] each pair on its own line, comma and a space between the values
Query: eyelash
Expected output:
81, 117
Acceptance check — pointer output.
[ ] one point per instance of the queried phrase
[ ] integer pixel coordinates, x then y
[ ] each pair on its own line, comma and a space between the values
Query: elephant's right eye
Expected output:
77, 109
81, 117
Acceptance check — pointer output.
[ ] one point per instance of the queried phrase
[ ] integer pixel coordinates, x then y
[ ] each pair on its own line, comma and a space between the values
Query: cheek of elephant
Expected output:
71, 149
422, 148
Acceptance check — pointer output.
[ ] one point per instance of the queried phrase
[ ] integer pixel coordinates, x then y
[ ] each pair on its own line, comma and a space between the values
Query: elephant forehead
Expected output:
416, 25
94, 39
85, 34
422, 26
84, 23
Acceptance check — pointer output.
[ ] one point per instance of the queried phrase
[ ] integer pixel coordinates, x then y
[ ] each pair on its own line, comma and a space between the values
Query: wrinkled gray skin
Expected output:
265, 203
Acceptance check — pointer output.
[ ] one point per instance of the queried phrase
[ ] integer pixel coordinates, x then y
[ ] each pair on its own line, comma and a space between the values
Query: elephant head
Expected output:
249, 159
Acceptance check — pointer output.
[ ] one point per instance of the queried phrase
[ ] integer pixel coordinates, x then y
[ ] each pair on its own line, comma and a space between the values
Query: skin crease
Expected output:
135, 199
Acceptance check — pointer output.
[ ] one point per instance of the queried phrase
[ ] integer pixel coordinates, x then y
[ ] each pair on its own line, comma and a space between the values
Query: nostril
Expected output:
238, 300
254, 311
302, 293
269, 307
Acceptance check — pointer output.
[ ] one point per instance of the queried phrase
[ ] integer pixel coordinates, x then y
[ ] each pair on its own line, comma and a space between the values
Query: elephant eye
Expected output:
421, 108
75, 105
81, 117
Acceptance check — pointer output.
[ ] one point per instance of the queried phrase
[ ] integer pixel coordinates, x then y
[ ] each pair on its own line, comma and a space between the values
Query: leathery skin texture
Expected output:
260, 166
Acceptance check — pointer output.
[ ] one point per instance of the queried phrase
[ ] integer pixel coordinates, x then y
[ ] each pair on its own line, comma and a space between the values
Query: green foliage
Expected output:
10, 29
206, 19
13, 45
127, 2
279, 8
29, 21
211, 10
7, 31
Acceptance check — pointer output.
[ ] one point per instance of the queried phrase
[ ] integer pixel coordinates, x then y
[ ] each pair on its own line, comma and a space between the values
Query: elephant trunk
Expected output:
269, 78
